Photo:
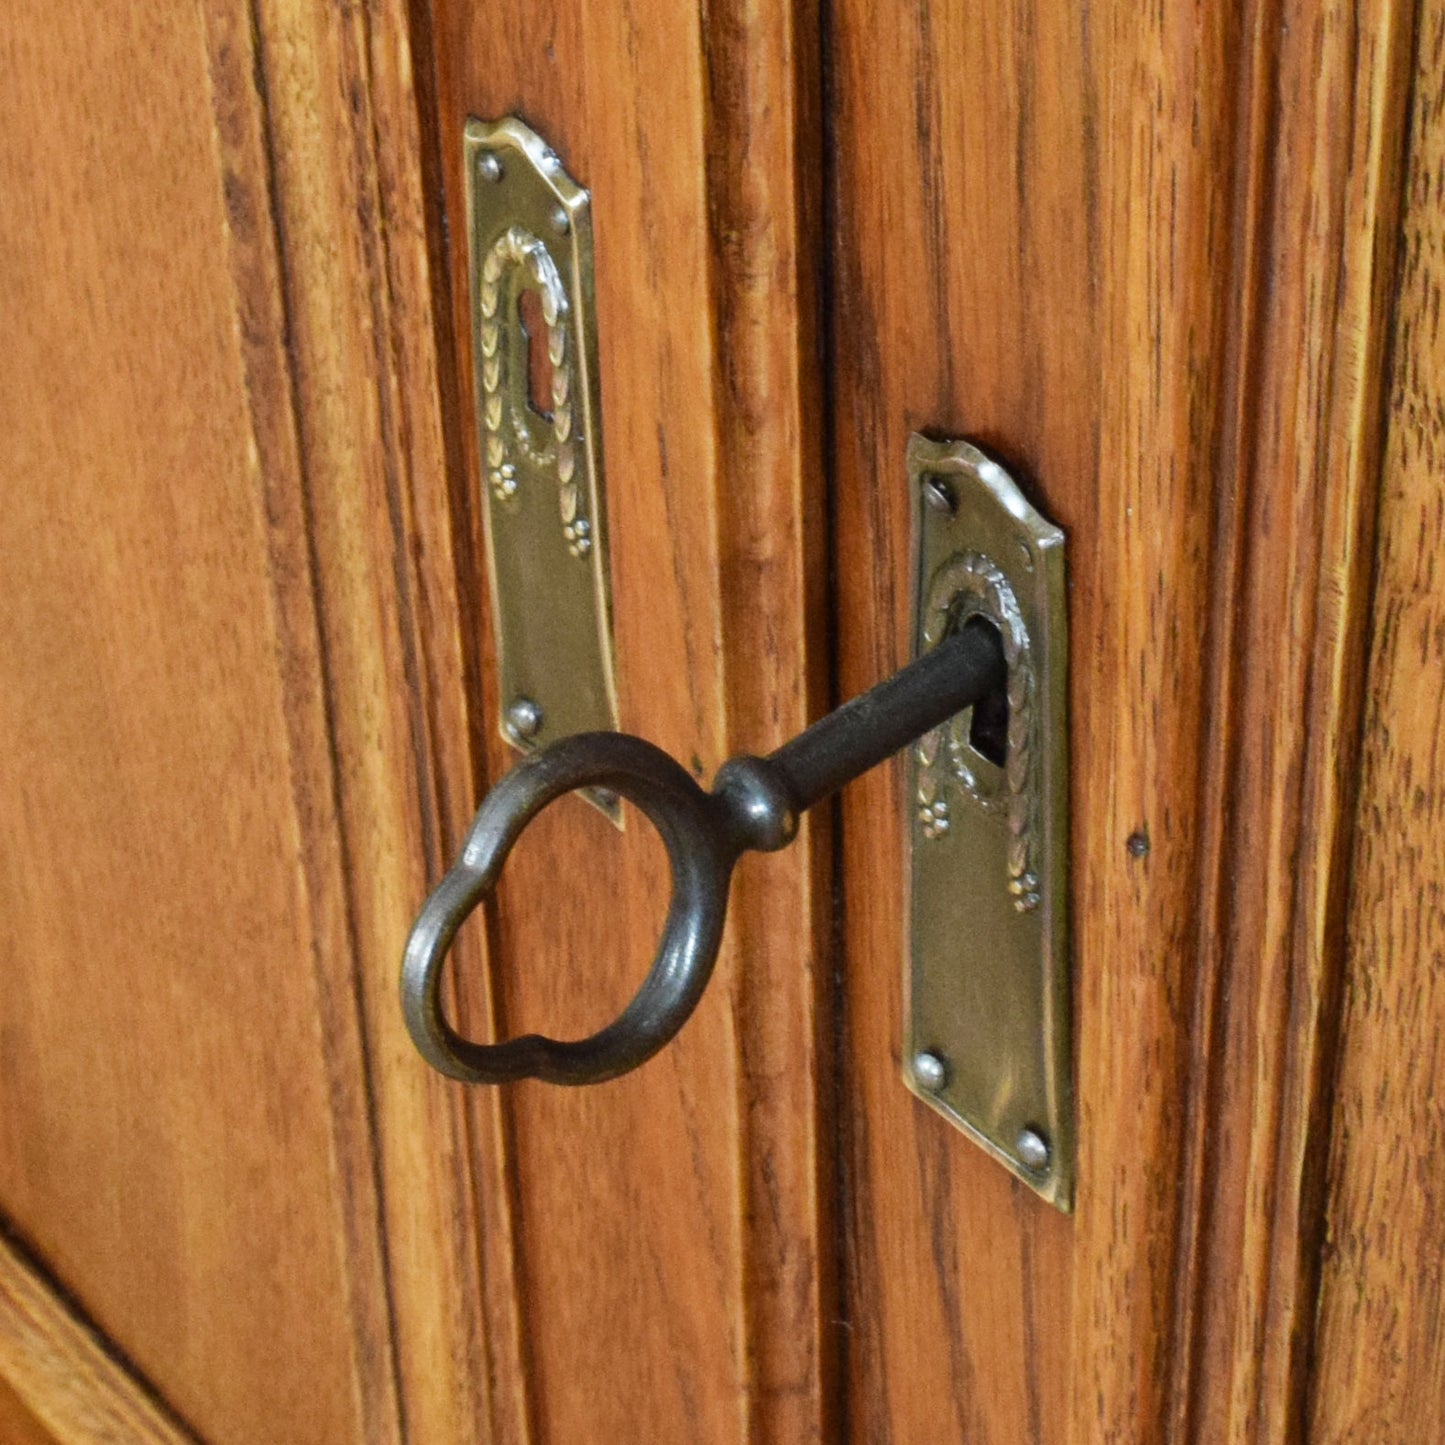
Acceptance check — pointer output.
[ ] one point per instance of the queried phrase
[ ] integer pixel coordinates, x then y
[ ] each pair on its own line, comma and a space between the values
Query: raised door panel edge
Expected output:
340, 177
1377, 1360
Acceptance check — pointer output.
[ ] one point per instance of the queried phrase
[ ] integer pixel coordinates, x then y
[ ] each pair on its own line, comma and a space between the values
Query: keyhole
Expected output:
988, 730
539, 358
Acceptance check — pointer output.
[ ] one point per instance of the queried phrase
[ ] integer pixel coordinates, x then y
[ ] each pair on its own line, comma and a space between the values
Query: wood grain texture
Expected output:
17, 1425
344, 175
245, 683
673, 1260
764, 143
1379, 1364
1138, 267
232, 681
1319, 159
965, 303
178, 1144
58, 1383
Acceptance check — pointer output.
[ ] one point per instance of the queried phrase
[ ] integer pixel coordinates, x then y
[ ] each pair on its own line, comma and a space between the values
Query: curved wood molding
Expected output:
53, 1363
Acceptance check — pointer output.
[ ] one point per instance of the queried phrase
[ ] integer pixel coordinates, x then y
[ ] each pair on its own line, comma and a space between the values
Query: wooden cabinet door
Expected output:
1178, 267
230, 688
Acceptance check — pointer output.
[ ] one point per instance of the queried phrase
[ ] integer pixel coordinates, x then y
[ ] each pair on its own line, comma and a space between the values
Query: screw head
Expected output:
1033, 1150
490, 167
939, 495
929, 1070
561, 221
523, 719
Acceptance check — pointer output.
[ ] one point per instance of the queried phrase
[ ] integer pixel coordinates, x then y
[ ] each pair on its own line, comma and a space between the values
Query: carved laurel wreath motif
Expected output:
967, 586
519, 248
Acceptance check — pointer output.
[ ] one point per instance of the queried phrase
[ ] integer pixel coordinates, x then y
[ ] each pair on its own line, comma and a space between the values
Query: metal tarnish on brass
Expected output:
530, 230
988, 985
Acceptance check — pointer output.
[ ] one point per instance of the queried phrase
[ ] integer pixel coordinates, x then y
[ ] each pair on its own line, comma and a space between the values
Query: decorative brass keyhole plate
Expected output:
988, 1036
539, 427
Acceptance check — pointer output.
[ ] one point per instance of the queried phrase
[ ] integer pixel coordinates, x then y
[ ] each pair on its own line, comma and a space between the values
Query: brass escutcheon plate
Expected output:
539, 428
987, 1038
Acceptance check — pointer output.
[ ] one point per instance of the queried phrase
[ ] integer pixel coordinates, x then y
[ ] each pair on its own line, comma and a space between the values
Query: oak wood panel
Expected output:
981, 227
1115, 246
58, 1382
1379, 1365
185, 1139
673, 1266
272, 471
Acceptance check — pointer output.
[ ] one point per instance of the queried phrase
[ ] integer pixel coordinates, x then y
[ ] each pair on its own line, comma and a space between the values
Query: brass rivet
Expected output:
523, 719
939, 495
930, 1071
1033, 1150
